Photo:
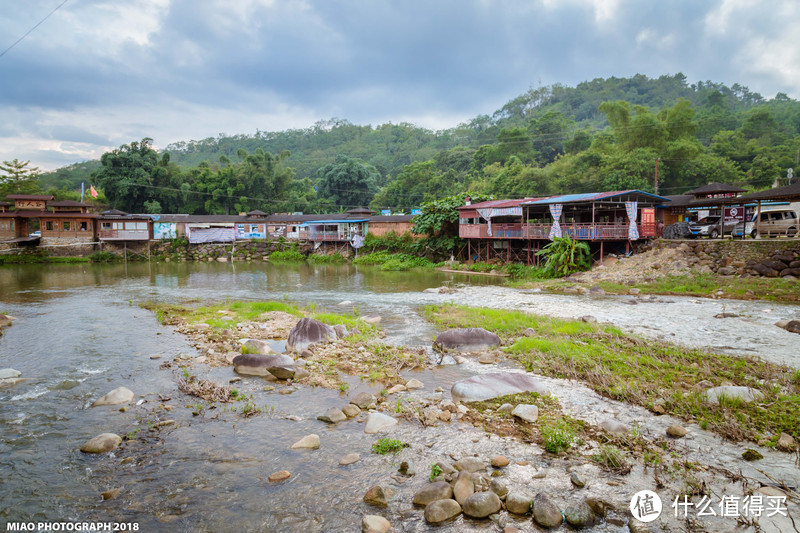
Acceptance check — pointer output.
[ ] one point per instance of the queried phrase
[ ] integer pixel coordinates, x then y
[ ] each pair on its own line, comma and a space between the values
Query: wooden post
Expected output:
601, 251
469, 251
126, 251
758, 219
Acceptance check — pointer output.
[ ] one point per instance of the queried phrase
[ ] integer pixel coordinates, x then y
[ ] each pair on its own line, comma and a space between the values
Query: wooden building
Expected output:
117, 226
514, 230
69, 223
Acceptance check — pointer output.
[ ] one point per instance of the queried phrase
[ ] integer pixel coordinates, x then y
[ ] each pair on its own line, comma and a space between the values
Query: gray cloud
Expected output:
100, 73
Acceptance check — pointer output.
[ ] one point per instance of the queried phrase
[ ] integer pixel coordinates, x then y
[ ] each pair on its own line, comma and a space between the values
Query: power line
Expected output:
31, 30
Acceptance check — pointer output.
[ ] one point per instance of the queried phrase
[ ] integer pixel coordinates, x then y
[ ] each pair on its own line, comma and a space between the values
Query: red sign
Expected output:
734, 214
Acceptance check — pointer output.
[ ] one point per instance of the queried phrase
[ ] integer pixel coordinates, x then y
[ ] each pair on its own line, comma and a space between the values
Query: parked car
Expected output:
710, 226
773, 223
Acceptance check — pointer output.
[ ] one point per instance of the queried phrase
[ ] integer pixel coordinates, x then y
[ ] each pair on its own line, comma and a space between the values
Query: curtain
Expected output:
500, 212
630, 208
555, 210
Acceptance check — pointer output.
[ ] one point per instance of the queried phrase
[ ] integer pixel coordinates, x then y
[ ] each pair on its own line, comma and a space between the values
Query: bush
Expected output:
565, 256
287, 256
104, 257
384, 446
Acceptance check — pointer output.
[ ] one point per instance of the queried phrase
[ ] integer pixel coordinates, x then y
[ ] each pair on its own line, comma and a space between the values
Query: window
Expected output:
66, 225
791, 214
141, 226
49, 225
118, 225
84, 227
105, 225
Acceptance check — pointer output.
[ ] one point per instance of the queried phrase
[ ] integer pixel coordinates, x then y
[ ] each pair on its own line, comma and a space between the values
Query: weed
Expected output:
436, 471
234, 393
384, 446
612, 458
343, 387
651, 458
558, 437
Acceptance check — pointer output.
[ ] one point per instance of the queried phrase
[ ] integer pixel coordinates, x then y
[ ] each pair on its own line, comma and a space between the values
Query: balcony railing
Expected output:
581, 232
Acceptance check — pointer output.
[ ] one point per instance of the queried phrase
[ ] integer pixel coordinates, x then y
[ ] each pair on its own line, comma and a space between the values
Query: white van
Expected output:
773, 223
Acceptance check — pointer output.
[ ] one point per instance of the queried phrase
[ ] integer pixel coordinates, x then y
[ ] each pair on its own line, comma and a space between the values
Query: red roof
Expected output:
29, 197
44, 214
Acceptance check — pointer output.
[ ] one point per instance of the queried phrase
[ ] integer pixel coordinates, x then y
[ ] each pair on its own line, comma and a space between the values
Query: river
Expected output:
81, 333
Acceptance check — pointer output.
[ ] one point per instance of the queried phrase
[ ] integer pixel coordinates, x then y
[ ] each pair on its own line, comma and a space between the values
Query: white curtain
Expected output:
633, 232
555, 210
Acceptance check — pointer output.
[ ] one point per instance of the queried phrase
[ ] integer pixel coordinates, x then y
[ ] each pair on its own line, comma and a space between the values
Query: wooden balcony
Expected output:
327, 236
581, 232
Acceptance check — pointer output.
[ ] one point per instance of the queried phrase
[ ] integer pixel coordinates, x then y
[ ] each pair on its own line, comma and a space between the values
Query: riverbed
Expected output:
81, 333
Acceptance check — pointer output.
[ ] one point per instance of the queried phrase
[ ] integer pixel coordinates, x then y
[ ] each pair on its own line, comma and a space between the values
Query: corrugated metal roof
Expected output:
716, 188
592, 196
340, 221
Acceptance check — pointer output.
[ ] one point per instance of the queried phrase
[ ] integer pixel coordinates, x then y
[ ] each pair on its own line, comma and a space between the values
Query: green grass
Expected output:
628, 368
321, 259
386, 446
14, 259
287, 256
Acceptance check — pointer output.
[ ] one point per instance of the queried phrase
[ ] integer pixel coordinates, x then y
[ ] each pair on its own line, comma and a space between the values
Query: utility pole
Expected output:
656, 180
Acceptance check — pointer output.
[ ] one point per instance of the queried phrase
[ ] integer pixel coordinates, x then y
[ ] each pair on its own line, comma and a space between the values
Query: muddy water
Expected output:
81, 333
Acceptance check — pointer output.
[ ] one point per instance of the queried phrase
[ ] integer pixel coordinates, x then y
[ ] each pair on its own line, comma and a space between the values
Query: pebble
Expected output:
441, 511
281, 475
375, 524
677, 431
413, 384
234, 380
110, 494
499, 461
156, 356
351, 410
577, 480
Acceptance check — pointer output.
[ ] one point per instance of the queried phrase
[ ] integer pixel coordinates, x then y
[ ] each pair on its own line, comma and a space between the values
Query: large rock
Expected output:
493, 385
115, 397
309, 442
377, 496
256, 346
307, 332
744, 394
438, 490
786, 443
527, 412
9, 373
518, 502
466, 340
364, 400
579, 515
481, 504
259, 365
105, 442
793, 326
378, 422
545, 512
464, 487
470, 464
333, 416
441, 511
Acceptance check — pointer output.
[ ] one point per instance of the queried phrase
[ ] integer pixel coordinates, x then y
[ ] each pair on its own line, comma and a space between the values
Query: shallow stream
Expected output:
81, 333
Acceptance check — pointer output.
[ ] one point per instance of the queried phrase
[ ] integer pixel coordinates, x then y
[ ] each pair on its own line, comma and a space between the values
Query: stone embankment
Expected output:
240, 251
750, 258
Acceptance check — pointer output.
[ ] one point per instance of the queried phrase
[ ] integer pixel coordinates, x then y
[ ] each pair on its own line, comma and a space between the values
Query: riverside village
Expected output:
322, 366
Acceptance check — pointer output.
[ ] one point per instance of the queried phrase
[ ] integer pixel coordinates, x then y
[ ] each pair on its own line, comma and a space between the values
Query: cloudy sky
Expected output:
100, 73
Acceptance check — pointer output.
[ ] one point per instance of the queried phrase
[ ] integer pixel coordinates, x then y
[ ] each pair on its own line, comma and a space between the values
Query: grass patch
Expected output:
386, 446
628, 368
219, 316
321, 259
287, 256
393, 261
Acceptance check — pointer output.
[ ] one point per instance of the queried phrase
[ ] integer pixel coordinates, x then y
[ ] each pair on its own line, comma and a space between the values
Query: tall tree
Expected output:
349, 182
18, 177
126, 175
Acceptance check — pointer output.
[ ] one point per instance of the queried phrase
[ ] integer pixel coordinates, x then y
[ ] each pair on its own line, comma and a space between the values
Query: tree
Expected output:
349, 182
18, 177
126, 175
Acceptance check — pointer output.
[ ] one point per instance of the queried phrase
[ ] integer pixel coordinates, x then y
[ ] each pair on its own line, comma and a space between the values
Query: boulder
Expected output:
518, 502
105, 442
115, 397
499, 487
793, 326
350, 410
466, 340
464, 487
332, 416
499, 461
527, 412
375, 524
438, 490
259, 365
378, 422
309, 442
441, 511
677, 431
6, 320
579, 515
745, 394
413, 384
469, 464
481, 504
377, 496
786, 443
256, 346
9, 373
341, 331
308, 332
364, 400
493, 385
545, 512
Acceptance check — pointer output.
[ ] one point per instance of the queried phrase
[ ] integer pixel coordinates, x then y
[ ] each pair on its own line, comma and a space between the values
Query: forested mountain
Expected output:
604, 134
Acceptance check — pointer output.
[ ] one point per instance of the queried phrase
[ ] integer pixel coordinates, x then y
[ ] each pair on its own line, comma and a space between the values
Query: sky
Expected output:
97, 74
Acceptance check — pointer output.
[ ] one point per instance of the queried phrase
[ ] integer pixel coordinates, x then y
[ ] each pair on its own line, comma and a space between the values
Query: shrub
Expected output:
384, 446
565, 256
557, 437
